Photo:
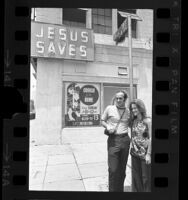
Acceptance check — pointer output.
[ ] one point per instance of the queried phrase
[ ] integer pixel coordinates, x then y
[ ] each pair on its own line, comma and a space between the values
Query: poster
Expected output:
82, 104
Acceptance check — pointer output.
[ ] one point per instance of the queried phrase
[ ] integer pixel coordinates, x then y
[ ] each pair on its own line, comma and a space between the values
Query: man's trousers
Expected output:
118, 151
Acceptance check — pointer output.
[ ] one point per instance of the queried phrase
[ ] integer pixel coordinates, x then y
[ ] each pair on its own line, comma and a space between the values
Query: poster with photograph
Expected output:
82, 104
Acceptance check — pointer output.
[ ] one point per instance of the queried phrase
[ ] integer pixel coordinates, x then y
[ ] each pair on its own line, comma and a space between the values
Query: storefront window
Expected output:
82, 104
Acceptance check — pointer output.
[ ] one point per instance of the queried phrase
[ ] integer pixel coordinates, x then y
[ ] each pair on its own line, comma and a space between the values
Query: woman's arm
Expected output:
148, 154
150, 136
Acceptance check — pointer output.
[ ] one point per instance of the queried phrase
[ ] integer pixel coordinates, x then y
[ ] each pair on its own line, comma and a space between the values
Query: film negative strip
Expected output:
57, 87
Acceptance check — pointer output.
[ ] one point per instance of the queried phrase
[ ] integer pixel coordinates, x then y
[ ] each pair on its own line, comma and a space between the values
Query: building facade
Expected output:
79, 67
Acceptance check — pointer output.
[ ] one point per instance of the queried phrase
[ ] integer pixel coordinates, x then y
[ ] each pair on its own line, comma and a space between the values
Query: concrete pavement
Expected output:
79, 163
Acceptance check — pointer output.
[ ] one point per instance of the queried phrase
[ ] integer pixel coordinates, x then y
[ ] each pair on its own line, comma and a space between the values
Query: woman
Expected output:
140, 147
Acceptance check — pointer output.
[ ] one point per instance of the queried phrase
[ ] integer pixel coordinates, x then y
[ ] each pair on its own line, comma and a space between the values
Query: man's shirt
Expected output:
111, 116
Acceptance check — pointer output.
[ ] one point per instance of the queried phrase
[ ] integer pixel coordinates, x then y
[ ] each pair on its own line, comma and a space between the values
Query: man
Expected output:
115, 119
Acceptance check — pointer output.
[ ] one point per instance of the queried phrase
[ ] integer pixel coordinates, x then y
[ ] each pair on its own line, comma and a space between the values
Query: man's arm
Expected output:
104, 124
104, 118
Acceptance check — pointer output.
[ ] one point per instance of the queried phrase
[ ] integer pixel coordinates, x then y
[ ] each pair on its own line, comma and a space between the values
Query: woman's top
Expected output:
111, 116
140, 138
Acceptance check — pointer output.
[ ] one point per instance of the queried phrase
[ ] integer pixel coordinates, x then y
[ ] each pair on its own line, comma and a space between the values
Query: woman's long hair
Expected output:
140, 106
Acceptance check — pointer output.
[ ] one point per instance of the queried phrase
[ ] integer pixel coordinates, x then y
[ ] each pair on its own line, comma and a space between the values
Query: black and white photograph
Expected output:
91, 80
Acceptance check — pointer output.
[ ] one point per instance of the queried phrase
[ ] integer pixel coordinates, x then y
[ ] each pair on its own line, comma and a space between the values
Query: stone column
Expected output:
89, 18
46, 127
114, 21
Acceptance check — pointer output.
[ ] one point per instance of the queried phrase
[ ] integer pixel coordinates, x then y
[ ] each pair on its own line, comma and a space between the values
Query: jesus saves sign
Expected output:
56, 41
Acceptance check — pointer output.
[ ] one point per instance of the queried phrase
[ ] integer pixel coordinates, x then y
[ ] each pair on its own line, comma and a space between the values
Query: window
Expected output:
133, 21
102, 20
74, 17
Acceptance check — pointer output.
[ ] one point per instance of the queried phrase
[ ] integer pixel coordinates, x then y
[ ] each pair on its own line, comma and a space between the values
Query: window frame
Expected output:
107, 28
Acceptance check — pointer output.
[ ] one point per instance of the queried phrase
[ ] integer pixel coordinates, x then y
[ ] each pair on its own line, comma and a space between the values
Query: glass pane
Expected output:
104, 22
95, 28
73, 14
95, 19
133, 24
101, 29
108, 12
108, 21
94, 11
133, 34
101, 20
100, 11
108, 30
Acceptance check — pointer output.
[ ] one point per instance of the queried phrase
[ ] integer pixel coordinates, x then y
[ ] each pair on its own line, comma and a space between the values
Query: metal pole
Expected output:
130, 58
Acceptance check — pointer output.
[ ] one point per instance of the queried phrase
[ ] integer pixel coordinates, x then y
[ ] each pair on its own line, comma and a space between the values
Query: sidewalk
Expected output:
78, 164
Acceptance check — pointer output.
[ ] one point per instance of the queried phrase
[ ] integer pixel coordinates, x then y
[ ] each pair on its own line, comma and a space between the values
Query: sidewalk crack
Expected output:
45, 173
78, 167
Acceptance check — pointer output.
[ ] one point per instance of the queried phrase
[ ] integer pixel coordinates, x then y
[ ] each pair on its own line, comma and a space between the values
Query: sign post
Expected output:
119, 37
130, 58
